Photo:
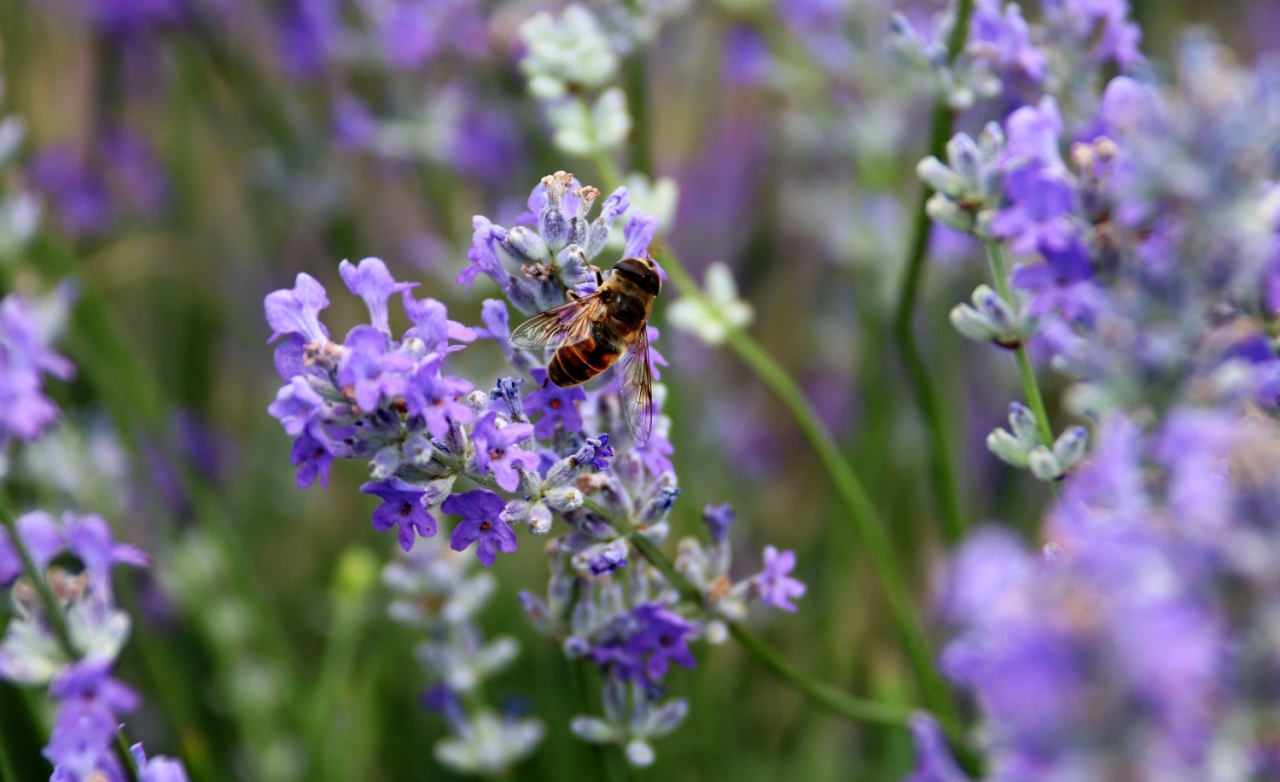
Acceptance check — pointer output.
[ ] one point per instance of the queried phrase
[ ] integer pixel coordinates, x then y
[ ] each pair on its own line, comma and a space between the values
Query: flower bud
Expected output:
1070, 447
1007, 448
1043, 464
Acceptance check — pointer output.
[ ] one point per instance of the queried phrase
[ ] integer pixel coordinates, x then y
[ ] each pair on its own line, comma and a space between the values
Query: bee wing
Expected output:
567, 324
637, 388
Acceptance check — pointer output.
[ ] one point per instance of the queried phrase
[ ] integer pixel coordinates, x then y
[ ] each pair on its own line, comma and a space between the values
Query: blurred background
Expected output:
193, 155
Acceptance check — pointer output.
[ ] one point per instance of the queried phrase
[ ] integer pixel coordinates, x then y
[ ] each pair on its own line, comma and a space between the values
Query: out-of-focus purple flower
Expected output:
354, 126
662, 638
774, 583
481, 524
415, 32
297, 311
401, 508
86, 720
718, 519
82, 200
820, 25
312, 458
747, 61
437, 398
307, 33
41, 536
25, 410
1038, 214
133, 167
1064, 283
487, 145
934, 761
1003, 38
297, 406
374, 284
555, 404
496, 451
1103, 25
89, 537
158, 768
129, 18
656, 454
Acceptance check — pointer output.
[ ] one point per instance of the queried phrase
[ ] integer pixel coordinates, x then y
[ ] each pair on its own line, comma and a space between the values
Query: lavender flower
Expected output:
401, 508
496, 453
555, 405
481, 524
25, 410
776, 587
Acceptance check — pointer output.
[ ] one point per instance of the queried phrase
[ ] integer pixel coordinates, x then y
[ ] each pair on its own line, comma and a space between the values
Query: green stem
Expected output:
822, 693
1026, 374
941, 459
7, 774
852, 494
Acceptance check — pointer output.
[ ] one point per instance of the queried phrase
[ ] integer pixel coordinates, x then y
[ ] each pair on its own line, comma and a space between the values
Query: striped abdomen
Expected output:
572, 365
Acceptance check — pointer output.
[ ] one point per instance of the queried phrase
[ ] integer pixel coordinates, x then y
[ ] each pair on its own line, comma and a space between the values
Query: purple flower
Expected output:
297, 406
776, 587
368, 372
496, 451
1034, 133
718, 519
86, 720
89, 538
372, 282
1005, 40
25, 411
41, 536
486, 145
312, 458
159, 768
82, 200
661, 639
483, 256
1038, 213
297, 311
655, 454
431, 324
401, 508
307, 31
436, 397
1063, 284
639, 233
481, 524
746, 59
494, 315
934, 762
555, 404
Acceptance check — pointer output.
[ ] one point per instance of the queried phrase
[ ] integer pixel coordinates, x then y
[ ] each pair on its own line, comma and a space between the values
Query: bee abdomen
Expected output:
575, 364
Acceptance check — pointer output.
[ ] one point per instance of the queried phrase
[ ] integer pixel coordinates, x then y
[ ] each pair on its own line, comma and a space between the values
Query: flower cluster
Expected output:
435, 595
71, 643
1129, 647
423, 432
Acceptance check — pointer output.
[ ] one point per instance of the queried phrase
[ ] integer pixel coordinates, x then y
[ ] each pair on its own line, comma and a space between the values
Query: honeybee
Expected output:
592, 333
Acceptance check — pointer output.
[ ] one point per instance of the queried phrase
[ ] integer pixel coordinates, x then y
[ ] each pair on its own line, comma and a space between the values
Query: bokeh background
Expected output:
192, 161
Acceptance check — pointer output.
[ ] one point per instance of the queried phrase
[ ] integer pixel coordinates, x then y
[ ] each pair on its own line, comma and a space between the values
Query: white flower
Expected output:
571, 50
711, 316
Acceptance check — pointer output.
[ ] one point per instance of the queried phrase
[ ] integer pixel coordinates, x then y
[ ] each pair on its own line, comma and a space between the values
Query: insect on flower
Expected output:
591, 333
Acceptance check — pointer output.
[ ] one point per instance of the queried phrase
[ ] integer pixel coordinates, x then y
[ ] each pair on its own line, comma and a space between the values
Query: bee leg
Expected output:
572, 294
598, 273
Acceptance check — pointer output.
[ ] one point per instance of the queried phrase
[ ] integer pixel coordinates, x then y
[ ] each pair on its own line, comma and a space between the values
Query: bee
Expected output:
591, 333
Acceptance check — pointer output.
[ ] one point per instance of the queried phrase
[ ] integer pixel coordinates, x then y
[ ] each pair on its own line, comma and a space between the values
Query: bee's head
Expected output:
640, 271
